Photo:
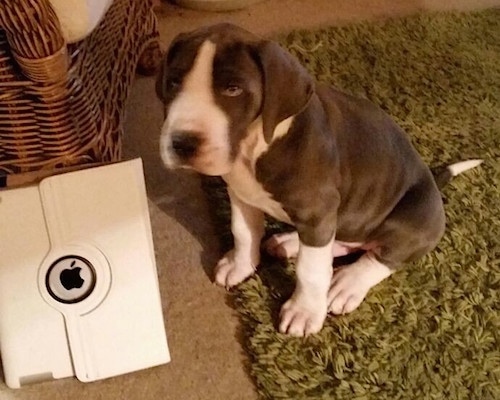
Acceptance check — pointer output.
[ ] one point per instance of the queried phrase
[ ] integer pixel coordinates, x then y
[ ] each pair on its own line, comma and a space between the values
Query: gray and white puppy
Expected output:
334, 166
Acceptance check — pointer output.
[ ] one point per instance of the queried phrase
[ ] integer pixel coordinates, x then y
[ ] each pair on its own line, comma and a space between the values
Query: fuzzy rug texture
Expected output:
432, 330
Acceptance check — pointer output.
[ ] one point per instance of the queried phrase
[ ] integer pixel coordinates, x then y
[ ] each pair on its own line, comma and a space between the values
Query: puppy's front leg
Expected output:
247, 226
305, 312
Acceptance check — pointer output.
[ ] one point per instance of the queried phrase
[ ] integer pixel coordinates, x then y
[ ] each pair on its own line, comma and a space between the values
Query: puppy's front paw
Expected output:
302, 318
231, 271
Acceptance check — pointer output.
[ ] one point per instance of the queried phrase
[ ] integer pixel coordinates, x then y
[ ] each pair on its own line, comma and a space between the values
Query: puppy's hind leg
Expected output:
411, 230
286, 245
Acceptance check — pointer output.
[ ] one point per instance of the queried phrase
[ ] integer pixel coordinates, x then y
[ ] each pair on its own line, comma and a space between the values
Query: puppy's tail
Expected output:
444, 174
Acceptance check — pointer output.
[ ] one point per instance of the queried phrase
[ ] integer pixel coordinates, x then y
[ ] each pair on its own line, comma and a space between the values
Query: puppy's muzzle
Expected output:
185, 144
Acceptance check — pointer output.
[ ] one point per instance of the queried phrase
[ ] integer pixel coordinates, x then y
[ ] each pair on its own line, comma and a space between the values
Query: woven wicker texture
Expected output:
60, 104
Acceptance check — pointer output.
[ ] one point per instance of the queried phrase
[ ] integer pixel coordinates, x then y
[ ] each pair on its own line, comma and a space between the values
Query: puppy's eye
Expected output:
232, 91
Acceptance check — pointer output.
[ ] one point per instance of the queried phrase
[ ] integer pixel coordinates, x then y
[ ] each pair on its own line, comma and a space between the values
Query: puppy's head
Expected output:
214, 82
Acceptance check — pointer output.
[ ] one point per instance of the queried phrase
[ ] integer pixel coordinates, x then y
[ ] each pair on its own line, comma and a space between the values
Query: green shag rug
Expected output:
432, 330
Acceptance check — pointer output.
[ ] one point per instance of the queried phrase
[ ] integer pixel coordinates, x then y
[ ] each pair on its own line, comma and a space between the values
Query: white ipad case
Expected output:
79, 293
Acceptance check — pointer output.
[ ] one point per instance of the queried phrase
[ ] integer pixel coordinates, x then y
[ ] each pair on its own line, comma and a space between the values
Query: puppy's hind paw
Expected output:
350, 284
283, 245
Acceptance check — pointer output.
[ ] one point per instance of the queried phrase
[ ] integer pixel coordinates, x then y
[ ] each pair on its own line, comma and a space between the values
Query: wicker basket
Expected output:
62, 105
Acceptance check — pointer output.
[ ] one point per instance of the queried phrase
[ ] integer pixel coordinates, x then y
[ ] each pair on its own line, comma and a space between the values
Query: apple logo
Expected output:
70, 278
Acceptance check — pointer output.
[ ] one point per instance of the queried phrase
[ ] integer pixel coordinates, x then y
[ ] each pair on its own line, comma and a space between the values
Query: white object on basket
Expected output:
78, 18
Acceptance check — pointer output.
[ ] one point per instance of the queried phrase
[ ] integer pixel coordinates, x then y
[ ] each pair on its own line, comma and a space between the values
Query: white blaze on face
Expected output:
194, 110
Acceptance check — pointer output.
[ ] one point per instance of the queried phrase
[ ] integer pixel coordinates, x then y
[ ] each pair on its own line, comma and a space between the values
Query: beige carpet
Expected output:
207, 358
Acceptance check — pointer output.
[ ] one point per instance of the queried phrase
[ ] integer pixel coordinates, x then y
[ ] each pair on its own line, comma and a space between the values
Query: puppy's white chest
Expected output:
242, 179
243, 183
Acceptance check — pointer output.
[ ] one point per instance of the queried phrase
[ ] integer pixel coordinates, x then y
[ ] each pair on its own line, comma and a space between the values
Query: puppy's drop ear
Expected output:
161, 79
288, 87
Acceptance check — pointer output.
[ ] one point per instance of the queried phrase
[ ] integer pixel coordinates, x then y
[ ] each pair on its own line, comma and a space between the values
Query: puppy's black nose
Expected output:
185, 143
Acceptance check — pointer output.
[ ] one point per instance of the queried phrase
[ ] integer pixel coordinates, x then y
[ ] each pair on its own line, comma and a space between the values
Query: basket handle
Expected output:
36, 40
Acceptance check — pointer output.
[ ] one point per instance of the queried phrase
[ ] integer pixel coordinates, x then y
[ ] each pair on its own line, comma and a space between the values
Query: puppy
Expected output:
334, 166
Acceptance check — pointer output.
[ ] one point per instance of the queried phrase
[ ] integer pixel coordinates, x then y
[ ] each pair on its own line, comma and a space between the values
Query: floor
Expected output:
208, 361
